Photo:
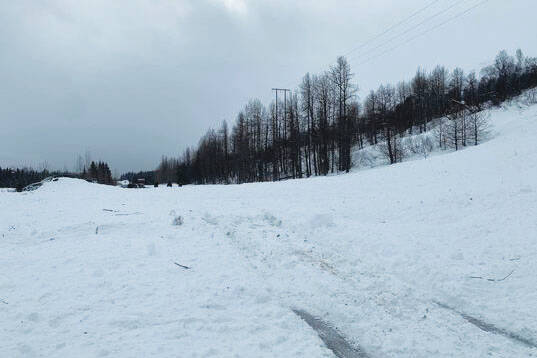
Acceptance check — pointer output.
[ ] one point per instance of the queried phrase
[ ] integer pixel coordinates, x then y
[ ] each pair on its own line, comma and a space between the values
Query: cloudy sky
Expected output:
131, 80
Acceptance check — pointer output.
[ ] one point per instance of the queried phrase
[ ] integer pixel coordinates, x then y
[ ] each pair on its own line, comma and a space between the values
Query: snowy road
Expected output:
90, 271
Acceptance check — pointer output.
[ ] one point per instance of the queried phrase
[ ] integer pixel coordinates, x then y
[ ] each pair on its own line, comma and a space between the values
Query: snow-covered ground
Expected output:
90, 270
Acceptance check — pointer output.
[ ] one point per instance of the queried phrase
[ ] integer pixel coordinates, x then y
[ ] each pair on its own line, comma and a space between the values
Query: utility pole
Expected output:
284, 90
277, 152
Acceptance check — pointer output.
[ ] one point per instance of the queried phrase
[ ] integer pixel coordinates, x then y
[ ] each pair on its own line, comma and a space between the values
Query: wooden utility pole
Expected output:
277, 152
284, 90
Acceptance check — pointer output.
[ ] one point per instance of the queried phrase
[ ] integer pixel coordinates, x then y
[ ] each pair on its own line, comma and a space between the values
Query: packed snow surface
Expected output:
394, 258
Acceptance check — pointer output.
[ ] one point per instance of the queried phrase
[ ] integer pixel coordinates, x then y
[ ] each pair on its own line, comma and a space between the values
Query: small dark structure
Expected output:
169, 184
155, 185
140, 182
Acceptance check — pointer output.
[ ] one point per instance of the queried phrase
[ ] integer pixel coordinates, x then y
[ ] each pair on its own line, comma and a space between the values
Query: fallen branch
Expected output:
503, 279
182, 266
4, 302
493, 279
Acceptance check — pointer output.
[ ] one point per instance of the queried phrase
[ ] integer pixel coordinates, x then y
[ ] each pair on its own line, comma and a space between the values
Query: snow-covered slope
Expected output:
390, 256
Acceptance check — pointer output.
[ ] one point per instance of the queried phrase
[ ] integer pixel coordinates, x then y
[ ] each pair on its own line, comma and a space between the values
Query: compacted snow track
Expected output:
93, 271
487, 327
331, 338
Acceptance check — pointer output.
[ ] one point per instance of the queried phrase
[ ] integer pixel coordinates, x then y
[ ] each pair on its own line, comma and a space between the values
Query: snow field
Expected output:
89, 270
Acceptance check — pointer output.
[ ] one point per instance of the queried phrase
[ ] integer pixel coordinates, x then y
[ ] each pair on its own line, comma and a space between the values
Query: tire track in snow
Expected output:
331, 337
490, 328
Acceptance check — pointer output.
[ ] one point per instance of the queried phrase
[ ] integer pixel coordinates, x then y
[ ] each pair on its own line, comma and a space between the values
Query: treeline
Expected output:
312, 131
94, 171
19, 178
98, 172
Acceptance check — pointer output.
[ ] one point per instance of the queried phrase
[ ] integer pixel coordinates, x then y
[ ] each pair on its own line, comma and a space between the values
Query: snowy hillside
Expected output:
427, 258
417, 146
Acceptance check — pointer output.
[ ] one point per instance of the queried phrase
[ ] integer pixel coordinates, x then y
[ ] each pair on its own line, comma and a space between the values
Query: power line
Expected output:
417, 12
437, 14
441, 12
458, 15
392, 27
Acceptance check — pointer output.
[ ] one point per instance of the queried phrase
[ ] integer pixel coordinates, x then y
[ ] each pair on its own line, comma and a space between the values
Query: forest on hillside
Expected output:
313, 130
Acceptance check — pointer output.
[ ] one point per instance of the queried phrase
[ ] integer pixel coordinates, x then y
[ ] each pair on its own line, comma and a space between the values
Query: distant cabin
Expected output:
140, 182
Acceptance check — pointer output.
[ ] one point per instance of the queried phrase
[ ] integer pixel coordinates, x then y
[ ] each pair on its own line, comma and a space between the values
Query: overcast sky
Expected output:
131, 80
